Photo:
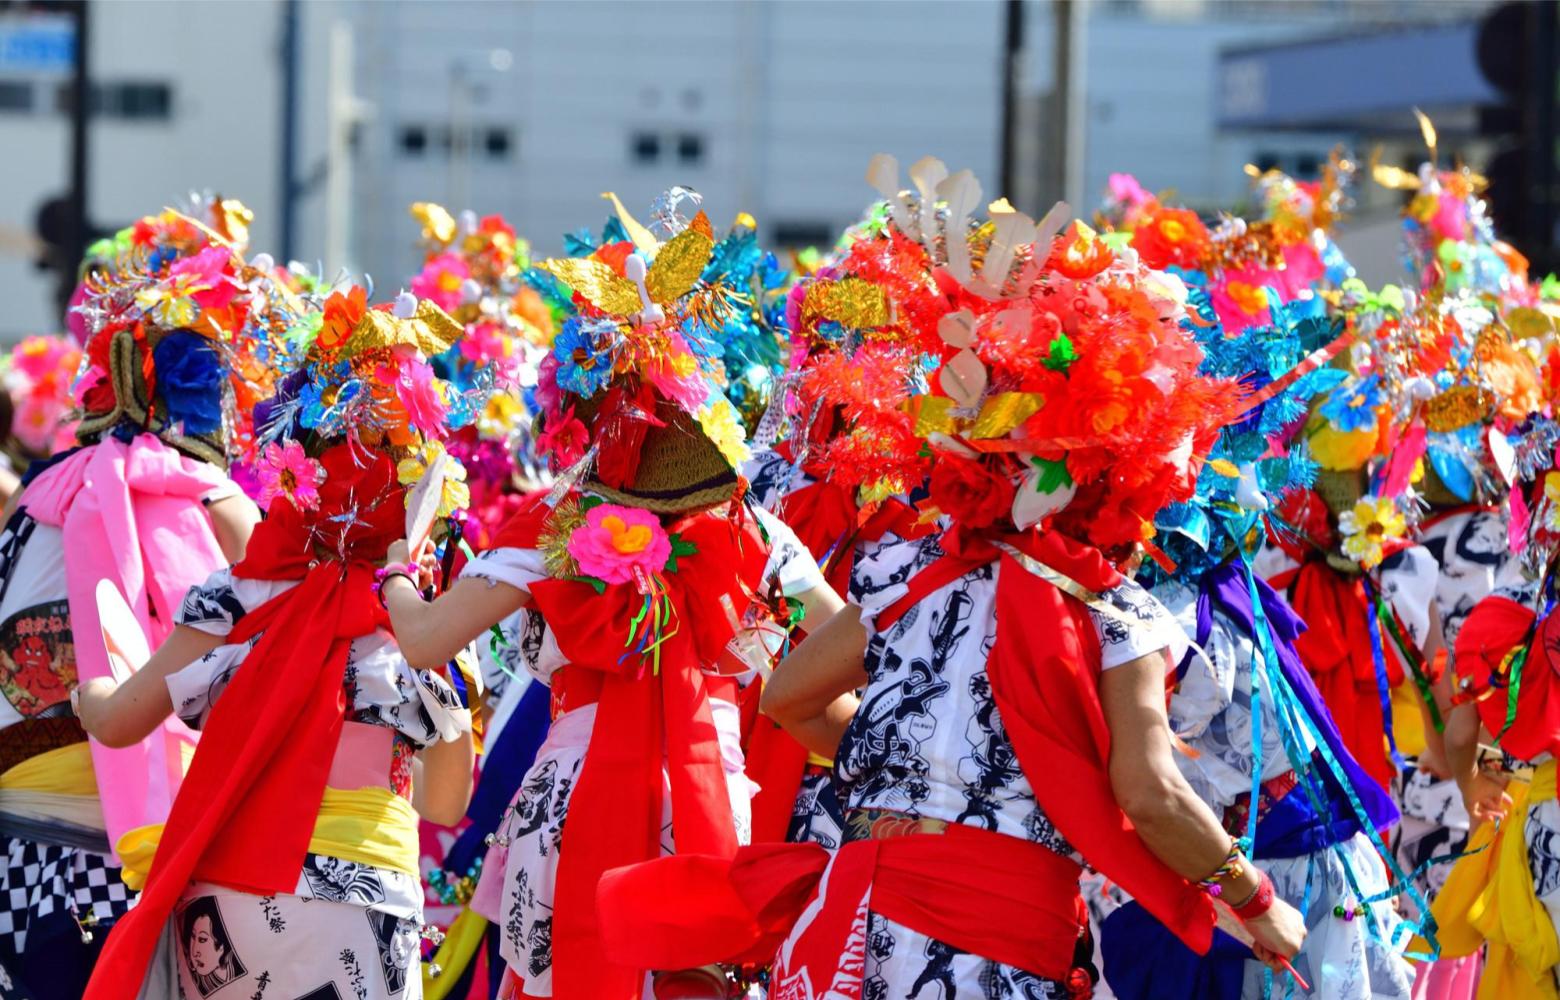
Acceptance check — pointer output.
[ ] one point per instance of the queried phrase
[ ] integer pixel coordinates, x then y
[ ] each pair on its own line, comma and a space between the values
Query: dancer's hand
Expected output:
1484, 796
1277, 934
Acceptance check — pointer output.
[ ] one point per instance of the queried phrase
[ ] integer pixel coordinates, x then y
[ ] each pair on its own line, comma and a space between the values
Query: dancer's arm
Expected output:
430, 633
1171, 820
1484, 795
119, 715
442, 788
233, 520
811, 693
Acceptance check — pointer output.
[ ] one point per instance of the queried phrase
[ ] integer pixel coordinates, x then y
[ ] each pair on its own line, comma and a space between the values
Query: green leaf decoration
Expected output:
1053, 475
596, 583
1062, 354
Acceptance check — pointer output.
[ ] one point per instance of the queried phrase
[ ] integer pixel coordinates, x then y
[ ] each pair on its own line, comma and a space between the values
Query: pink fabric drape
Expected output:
130, 513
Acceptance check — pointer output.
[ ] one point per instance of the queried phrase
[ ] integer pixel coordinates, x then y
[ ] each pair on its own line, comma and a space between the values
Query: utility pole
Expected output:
1012, 70
288, 146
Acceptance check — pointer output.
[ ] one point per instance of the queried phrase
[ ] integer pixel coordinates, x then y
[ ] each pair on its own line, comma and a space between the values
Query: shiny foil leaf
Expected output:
851, 302
678, 264
596, 282
1005, 411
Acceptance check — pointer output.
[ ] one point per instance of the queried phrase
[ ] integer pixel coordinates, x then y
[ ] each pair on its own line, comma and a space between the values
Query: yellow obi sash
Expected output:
1408, 720
57, 785
1489, 897
372, 826
818, 760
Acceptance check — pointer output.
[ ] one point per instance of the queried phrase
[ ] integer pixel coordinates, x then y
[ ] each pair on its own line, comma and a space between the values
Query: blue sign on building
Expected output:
37, 45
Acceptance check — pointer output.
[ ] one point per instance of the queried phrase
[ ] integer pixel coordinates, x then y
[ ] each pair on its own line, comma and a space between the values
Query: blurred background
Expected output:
329, 117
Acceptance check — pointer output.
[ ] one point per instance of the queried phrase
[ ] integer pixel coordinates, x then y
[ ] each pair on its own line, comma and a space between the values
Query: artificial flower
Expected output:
720, 424
419, 393
343, 312
968, 491
456, 495
189, 380
565, 438
617, 543
500, 414
1352, 405
1552, 508
286, 470
441, 279
583, 352
1172, 236
1367, 529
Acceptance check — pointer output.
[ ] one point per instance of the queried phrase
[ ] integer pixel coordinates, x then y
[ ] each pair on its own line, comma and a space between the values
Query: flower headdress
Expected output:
361, 381
474, 269
38, 376
664, 324
1029, 375
181, 332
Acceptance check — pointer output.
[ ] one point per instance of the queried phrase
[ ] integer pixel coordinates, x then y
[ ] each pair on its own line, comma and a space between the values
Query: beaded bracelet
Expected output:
1231, 867
385, 573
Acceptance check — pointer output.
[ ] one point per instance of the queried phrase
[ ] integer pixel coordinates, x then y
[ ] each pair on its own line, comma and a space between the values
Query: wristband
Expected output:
389, 571
1260, 902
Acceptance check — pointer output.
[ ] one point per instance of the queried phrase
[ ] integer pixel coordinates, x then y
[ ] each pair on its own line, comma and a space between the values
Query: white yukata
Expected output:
928, 742
349, 931
524, 859
1211, 711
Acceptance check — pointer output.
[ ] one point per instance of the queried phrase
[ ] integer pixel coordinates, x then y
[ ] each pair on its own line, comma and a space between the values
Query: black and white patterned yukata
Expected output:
928, 742
349, 930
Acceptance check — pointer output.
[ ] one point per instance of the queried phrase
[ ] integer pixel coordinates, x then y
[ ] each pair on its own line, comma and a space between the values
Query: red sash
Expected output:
641, 716
268, 745
1496, 626
985, 893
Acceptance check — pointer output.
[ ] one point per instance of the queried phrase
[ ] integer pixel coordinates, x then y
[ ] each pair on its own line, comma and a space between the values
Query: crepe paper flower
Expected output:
419, 393
343, 312
1172, 236
456, 494
39, 424
205, 277
486, 342
441, 279
1367, 528
500, 415
286, 470
565, 438
617, 543
969, 491
1125, 190
674, 371
723, 427
583, 352
1352, 405
189, 380
1081, 253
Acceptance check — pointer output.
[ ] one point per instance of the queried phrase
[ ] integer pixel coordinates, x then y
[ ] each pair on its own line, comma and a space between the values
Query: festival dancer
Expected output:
288, 864
1315, 827
1013, 713
651, 590
143, 501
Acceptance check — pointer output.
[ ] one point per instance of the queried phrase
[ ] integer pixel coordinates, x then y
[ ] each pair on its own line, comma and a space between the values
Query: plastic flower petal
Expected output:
721, 425
615, 542
1367, 528
286, 470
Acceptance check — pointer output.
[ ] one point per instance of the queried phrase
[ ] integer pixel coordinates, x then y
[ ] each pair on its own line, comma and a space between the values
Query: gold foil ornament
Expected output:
851, 302
438, 225
678, 265
596, 282
1005, 411
1456, 408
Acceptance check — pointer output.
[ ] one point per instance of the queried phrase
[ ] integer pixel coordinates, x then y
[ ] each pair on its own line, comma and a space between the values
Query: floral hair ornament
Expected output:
38, 373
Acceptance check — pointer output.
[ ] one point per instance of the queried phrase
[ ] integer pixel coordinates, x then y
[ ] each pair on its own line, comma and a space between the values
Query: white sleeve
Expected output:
789, 561
215, 606
517, 567
1136, 625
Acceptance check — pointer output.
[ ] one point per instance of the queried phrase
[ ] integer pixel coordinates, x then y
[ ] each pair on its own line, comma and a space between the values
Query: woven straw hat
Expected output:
1340, 489
132, 403
680, 469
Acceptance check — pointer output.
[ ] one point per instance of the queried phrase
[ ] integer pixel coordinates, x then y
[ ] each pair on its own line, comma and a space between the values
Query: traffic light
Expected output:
1517, 55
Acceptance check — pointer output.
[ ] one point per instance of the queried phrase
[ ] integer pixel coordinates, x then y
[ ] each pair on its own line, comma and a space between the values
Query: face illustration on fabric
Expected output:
205, 951
208, 950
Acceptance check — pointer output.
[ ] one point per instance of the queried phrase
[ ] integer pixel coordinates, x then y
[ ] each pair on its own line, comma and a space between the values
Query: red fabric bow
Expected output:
615, 811
267, 748
1336, 651
1044, 670
1496, 626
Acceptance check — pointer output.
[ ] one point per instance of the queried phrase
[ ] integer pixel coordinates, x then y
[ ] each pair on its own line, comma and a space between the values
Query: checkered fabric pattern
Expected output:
41, 879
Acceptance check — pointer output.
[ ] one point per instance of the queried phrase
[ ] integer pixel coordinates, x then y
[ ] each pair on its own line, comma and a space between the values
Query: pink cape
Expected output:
130, 513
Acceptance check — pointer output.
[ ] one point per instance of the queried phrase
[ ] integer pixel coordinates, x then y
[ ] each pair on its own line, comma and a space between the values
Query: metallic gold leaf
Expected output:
644, 240
593, 279
677, 266
850, 302
438, 225
1003, 412
435, 329
933, 414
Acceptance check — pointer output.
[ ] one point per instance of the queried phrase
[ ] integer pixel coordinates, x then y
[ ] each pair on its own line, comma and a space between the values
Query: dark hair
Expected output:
204, 906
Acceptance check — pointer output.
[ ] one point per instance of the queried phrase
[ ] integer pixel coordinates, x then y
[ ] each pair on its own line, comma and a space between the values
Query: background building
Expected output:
773, 107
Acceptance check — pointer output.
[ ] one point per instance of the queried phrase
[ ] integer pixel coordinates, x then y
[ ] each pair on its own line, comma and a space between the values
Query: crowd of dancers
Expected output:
983, 607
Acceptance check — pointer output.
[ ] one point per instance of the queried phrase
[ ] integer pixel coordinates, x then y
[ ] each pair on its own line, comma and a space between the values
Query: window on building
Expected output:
497, 143
1308, 166
412, 140
692, 99
137, 100
802, 233
16, 95
1266, 161
644, 147
690, 149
